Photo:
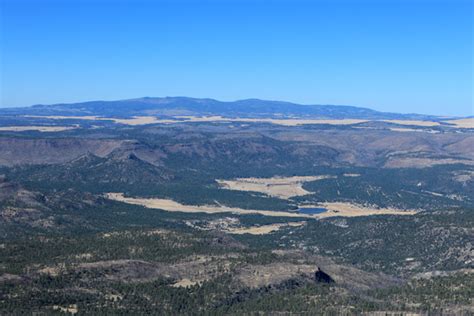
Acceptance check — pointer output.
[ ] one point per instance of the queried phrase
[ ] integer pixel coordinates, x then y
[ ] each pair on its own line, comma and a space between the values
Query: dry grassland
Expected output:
264, 229
281, 187
136, 120
423, 162
296, 122
36, 128
353, 210
144, 120
184, 283
172, 206
462, 123
285, 122
413, 122
406, 129
333, 208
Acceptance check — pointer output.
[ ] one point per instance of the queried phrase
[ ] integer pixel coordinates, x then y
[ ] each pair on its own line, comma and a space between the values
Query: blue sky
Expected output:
400, 56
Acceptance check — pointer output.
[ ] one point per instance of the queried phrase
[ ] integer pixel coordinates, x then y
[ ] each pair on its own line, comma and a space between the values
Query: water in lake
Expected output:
312, 210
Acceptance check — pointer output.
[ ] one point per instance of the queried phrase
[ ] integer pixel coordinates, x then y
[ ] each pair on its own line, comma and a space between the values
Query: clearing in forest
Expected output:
281, 187
353, 210
333, 208
36, 128
173, 206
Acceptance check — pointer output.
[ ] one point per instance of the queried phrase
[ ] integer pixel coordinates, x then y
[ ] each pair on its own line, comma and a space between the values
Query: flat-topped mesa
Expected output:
249, 108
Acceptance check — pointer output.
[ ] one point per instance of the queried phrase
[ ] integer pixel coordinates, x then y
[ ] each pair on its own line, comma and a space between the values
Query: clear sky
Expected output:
400, 56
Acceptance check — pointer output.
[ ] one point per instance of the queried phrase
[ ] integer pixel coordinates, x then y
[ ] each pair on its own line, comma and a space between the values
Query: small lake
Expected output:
312, 210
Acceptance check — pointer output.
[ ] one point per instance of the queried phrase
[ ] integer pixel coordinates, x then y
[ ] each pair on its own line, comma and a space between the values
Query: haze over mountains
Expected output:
251, 108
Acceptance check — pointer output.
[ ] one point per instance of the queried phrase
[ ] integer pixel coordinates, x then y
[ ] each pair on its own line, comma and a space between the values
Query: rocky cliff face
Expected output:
22, 151
330, 147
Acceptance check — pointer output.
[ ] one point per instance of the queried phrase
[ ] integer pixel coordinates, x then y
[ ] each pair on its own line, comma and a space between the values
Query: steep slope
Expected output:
92, 173
21, 151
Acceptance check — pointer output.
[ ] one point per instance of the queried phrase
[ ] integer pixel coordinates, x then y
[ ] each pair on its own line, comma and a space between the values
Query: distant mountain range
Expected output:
249, 108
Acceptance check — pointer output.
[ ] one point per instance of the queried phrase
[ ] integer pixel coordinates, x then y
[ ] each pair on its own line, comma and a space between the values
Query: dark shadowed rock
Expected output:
322, 277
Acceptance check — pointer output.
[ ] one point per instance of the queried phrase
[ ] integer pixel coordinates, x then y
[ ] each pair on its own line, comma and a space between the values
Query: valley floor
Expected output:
136, 212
